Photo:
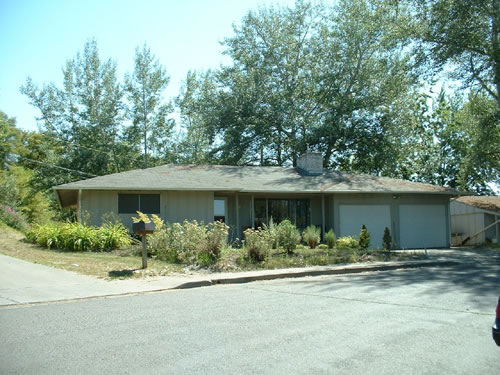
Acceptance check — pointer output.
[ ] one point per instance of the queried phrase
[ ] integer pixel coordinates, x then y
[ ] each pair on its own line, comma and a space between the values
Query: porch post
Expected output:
237, 216
322, 217
79, 205
252, 212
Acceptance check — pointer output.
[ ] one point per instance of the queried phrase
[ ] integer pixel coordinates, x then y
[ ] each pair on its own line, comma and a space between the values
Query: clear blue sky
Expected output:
37, 37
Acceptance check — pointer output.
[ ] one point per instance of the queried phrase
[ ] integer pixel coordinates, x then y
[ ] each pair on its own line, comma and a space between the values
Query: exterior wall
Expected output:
95, 204
467, 220
189, 205
175, 206
491, 234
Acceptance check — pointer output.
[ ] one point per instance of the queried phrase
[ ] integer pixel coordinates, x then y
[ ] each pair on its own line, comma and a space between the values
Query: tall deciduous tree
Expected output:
309, 75
9, 140
194, 101
85, 114
464, 36
148, 112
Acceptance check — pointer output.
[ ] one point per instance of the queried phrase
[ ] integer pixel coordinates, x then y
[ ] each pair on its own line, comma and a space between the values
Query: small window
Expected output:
220, 210
131, 203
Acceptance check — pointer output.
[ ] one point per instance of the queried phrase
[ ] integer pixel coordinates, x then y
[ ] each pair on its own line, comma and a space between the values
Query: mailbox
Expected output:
143, 228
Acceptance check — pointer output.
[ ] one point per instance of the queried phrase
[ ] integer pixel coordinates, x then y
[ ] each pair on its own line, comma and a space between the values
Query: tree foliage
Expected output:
352, 80
462, 35
149, 114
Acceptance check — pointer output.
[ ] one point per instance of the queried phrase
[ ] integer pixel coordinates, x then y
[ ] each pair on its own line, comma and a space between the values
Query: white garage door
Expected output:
422, 226
375, 217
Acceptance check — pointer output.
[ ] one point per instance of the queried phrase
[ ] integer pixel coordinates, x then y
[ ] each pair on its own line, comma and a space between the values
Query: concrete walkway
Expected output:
23, 282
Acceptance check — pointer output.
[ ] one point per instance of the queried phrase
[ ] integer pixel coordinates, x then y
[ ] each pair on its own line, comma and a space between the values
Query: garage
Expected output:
375, 217
423, 226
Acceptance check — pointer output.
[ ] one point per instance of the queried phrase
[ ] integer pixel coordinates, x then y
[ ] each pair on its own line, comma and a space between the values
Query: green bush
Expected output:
323, 246
331, 239
288, 235
387, 239
347, 243
364, 238
114, 236
258, 243
189, 242
273, 232
312, 236
79, 237
48, 235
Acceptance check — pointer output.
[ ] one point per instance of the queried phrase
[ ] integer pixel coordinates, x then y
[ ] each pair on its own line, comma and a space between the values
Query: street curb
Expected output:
313, 272
279, 274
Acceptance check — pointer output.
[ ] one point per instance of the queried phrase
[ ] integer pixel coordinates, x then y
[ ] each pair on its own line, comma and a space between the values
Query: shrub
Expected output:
257, 243
288, 235
347, 243
387, 239
79, 237
312, 236
323, 246
330, 238
364, 238
189, 242
48, 235
167, 243
273, 232
113, 236
216, 237
13, 218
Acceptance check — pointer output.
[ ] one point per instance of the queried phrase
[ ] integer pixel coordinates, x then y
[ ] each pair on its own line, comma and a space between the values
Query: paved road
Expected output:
423, 321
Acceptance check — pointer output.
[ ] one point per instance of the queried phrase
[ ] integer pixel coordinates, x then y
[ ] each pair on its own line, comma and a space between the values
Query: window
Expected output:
131, 203
298, 211
220, 209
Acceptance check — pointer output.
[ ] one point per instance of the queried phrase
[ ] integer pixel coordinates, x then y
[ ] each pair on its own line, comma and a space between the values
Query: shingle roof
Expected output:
489, 203
249, 179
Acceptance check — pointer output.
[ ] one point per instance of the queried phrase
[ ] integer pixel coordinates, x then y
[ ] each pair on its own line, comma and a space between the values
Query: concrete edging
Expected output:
312, 272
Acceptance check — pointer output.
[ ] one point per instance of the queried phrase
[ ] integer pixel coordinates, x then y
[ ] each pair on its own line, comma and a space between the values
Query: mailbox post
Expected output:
144, 229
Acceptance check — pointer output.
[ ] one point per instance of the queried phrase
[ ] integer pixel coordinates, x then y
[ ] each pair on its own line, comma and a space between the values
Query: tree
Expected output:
364, 238
149, 115
9, 140
194, 101
304, 76
387, 240
85, 114
463, 36
441, 141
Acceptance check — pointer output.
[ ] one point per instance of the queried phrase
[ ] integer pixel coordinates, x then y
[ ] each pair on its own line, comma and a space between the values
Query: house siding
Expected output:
467, 220
177, 206
189, 205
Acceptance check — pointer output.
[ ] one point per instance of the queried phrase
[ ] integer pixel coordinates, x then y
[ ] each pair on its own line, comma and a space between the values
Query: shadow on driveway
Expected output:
478, 276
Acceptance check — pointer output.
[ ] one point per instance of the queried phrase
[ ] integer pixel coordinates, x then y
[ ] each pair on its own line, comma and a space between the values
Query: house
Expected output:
475, 220
249, 196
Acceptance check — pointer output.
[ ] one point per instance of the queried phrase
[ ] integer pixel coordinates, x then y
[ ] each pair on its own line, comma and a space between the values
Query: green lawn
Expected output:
116, 264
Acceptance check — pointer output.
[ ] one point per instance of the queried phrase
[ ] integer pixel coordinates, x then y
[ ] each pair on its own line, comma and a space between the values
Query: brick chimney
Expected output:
311, 163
